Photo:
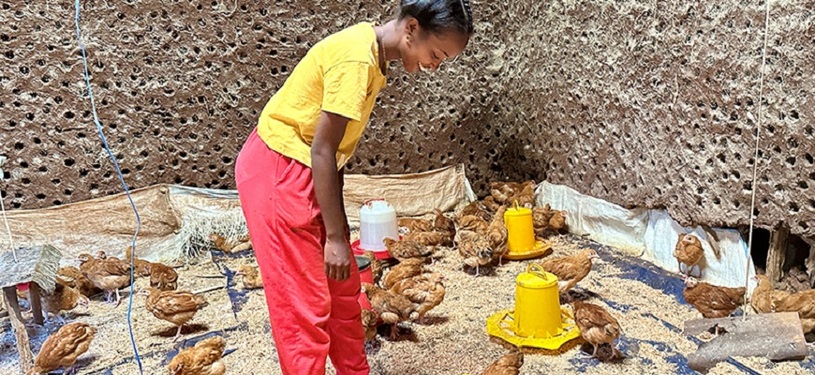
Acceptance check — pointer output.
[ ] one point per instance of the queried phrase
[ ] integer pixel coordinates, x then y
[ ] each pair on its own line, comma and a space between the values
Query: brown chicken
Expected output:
497, 235
801, 302
688, 251
764, 297
202, 359
369, 320
525, 197
502, 191
177, 307
73, 277
557, 221
490, 204
406, 249
404, 270
444, 225
142, 267
62, 348
711, 300
475, 249
250, 277
415, 225
224, 245
540, 219
433, 238
508, 364
163, 277
474, 208
376, 266
473, 223
426, 291
570, 270
596, 325
109, 275
63, 298
392, 308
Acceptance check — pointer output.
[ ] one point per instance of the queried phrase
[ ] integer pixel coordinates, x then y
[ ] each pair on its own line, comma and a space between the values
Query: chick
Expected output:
376, 266
177, 307
473, 223
497, 234
250, 277
142, 267
570, 270
474, 208
688, 251
406, 249
444, 225
415, 225
202, 359
596, 325
163, 277
63, 298
433, 238
557, 221
711, 300
392, 308
490, 204
475, 249
508, 364
404, 270
540, 219
107, 274
801, 302
369, 320
62, 348
764, 297
426, 291
73, 277
221, 243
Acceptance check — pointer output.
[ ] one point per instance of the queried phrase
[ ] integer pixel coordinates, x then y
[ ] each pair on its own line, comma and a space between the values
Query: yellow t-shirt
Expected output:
340, 74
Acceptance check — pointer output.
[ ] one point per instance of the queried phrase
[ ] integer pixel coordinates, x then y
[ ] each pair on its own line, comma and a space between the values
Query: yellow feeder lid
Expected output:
517, 211
536, 281
501, 325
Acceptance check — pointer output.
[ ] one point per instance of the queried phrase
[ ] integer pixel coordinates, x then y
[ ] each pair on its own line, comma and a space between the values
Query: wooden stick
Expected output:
36, 307
210, 289
17, 325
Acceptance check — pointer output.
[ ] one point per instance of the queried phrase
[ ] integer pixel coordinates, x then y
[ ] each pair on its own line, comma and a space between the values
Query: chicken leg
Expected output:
177, 334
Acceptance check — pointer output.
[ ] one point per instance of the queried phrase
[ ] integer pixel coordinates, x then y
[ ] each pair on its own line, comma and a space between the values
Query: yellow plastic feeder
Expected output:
537, 321
521, 241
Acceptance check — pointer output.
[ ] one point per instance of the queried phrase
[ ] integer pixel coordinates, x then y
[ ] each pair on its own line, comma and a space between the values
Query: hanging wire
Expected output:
124, 186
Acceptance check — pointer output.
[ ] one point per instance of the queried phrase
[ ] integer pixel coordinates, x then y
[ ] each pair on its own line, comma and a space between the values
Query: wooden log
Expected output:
777, 254
17, 325
776, 336
34, 294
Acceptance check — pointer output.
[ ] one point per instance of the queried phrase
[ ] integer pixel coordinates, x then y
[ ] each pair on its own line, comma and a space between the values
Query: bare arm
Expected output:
327, 188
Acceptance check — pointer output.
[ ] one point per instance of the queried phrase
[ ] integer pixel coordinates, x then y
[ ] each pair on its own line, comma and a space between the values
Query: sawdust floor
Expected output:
646, 300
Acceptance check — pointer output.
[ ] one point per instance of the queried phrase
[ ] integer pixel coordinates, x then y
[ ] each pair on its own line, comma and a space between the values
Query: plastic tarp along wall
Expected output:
650, 234
177, 220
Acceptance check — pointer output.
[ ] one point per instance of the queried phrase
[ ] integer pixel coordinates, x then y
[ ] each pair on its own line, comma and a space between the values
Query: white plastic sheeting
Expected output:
650, 234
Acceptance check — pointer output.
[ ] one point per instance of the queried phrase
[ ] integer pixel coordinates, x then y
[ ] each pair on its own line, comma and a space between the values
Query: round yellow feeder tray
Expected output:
540, 249
538, 320
521, 241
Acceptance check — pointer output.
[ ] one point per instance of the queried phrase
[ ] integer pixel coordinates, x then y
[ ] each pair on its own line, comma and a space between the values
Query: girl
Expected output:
289, 177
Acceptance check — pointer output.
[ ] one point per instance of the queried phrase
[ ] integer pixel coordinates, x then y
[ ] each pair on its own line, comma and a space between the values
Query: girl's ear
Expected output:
411, 28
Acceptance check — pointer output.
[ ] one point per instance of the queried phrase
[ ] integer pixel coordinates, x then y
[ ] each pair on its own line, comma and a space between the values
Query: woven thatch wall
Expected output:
179, 86
638, 103
655, 104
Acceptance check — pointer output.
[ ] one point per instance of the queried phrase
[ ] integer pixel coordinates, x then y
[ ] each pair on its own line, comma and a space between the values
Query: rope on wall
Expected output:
124, 186
757, 148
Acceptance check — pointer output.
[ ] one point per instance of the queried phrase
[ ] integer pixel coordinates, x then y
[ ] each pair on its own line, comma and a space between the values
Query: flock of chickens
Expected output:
75, 286
718, 301
404, 288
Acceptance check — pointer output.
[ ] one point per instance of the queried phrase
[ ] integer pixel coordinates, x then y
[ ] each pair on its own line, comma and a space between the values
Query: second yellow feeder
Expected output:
521, 241
538, 321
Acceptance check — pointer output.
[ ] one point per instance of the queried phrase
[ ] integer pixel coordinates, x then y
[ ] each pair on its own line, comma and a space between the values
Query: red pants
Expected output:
312, 316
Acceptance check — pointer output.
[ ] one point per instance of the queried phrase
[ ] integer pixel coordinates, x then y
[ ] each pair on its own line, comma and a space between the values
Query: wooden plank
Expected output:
20, 334
36, 303
776, 336
777, 254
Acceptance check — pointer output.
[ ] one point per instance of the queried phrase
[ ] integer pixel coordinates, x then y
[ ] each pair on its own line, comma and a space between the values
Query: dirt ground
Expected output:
455, 342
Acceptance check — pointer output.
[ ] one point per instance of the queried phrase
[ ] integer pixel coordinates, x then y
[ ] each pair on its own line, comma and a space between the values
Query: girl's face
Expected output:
422, 50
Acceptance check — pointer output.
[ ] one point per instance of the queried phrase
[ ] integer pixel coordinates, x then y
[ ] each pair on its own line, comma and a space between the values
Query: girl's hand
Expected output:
337, 256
